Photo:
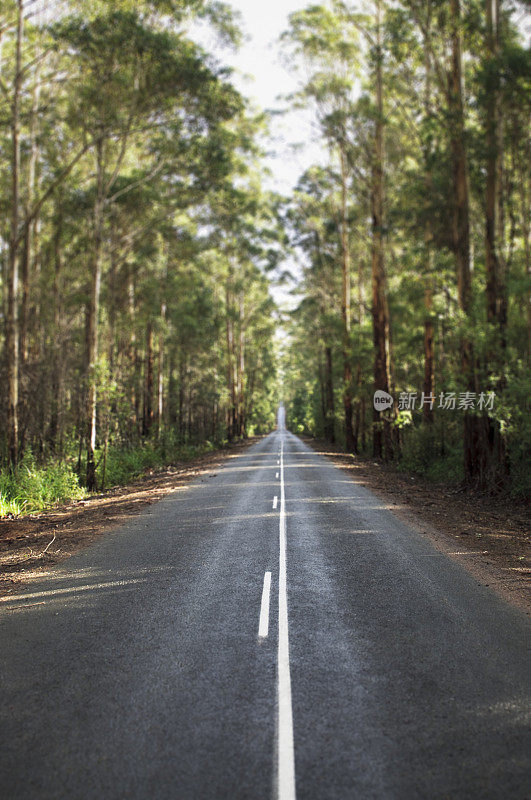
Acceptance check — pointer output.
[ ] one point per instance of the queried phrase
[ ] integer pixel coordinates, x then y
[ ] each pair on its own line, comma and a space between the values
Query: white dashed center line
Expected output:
263, 626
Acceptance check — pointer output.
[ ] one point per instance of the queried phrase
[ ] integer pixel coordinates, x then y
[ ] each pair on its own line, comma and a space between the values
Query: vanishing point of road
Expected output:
271, 631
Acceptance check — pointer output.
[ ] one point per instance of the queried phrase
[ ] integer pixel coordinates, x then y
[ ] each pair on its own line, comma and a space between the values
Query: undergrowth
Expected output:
428, 453
126, 464
34, 487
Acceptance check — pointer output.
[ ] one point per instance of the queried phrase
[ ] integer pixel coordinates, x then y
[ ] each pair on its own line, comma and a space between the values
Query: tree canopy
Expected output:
140, 239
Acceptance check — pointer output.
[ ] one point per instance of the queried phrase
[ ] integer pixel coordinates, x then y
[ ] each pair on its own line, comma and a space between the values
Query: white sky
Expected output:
261, 76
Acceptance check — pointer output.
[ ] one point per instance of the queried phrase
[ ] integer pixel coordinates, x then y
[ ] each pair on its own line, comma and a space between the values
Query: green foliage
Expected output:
32, 487
515, 414
126, 464
155, 240
434, 452
432, 321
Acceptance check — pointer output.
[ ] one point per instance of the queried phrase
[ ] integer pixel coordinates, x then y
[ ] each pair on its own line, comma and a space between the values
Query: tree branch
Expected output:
49, 191
135, 184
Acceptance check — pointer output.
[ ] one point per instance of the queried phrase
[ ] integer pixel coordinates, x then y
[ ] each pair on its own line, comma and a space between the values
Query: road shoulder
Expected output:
487, 536
30, 546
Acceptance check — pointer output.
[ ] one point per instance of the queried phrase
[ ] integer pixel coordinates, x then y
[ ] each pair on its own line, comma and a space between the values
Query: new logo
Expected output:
382, 400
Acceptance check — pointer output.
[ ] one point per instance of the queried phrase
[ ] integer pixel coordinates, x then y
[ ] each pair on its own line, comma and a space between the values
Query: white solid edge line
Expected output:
263, 626
275, 501
286, 753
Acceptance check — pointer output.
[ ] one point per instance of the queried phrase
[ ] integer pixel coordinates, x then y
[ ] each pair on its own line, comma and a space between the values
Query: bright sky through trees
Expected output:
263, 77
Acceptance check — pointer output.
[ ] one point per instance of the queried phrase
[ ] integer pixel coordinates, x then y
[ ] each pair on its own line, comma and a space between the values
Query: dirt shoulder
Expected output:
31, 545
490, 537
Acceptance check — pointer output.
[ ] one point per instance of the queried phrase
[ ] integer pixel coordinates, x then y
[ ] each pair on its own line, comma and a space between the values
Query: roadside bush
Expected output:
435, 453
123, 465
33, 488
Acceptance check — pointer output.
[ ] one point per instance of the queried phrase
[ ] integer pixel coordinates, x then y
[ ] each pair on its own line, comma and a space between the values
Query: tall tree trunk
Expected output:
496, 311
160, 381
93, 321
56, 344
241, 370
345, 304
172, 388
329, 396
359, 373
429, 343
231, 365
429, 333
382, 445
182, 393
112, 301
461, 234
148, 383
321, 379
12, 320
496, 468
133, 358
525, 216
30, 230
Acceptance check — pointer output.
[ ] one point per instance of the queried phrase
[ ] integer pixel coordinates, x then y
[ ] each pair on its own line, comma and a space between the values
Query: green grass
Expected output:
36, 487
124, 465
9, 507
33, 487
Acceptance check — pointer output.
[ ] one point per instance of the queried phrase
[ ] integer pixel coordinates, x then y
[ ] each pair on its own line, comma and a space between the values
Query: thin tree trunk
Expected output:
29, 234
429, 334
357, 415
523, 180
345, 305
148, 385
182, 394
494, 443
93, 322
112, 300
56, 345
461, 234
329, 397
172, 388
160, 382
231, 366
429, 345
133, 358
493, 243
12, 320
241, 371
363, 424
359, 374
321, 379
381, 427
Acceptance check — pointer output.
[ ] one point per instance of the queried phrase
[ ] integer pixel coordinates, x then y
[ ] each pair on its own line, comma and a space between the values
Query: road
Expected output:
382, 668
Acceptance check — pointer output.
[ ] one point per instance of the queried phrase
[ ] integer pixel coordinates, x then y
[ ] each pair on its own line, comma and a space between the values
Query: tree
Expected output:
326, 42
126, 72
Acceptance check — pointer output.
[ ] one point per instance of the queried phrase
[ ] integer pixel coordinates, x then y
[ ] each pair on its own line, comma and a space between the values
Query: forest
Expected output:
415, 236
136, 243
142, 239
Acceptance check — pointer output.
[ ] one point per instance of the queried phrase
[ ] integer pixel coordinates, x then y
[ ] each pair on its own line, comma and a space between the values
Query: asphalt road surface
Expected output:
269, 632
